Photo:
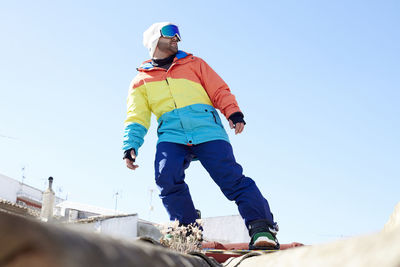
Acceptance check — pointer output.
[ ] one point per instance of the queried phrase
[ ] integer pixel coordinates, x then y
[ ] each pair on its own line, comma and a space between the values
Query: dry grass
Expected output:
183, 239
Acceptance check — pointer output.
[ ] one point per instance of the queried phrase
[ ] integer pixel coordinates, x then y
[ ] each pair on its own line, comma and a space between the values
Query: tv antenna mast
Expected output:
151, 207
23, 174
117, 195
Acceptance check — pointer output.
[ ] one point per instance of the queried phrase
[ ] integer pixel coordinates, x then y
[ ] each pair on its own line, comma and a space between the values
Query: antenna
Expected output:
23, 174
20, 191
117, 195
59, 190
151, 207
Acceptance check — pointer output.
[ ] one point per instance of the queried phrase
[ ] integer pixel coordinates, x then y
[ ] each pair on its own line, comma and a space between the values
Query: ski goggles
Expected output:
170, 31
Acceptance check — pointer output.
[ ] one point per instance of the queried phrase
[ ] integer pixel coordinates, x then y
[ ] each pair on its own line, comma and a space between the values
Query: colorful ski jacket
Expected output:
183, 98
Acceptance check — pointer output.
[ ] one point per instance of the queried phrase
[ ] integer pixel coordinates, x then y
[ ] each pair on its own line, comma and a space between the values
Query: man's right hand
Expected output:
130, 161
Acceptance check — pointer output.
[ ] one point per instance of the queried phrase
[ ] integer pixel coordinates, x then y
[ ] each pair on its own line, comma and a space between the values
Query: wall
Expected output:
122, 227
225, 229
9, 188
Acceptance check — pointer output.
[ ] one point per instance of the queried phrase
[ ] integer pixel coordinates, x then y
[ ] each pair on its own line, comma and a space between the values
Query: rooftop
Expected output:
9, 207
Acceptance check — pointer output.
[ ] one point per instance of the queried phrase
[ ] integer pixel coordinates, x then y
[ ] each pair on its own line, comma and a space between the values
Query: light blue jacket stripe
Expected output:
191, 125
133, 136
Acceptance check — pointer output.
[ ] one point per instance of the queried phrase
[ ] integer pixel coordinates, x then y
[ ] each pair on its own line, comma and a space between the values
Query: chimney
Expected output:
46, 213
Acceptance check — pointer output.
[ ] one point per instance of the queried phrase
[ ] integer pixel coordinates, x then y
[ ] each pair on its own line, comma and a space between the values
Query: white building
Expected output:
224, 229
105, 221
73, 211
22, 194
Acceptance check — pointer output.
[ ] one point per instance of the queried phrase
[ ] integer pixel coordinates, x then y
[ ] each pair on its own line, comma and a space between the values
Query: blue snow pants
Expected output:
217, 158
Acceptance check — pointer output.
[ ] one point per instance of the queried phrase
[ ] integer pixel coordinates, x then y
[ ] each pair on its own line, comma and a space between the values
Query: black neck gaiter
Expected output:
164, 63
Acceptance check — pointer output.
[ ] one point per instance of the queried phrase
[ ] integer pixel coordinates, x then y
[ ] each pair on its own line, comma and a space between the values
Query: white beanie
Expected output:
152, 35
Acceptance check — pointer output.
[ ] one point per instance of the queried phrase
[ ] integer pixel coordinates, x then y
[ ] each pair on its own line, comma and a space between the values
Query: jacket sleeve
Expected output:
138, 117
218, 91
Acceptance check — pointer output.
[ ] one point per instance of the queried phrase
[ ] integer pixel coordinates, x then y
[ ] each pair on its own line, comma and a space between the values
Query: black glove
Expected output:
237, 117
127, 154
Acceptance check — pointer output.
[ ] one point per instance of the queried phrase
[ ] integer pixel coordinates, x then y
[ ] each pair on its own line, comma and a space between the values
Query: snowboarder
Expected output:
183, 92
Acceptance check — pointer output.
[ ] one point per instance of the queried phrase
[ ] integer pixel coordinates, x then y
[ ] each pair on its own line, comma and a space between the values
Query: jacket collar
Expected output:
147, 65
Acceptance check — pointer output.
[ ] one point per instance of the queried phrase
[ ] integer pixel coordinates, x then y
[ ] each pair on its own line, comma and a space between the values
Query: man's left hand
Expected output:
239, 127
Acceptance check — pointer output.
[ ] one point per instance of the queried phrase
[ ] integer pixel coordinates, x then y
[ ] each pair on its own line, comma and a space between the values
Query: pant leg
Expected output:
218, 159
170, 163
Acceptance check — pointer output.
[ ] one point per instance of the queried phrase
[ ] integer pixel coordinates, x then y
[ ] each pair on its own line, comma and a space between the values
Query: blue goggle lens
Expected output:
170, 31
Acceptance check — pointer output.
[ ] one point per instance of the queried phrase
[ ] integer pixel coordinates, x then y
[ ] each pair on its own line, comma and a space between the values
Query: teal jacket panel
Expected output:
191, 125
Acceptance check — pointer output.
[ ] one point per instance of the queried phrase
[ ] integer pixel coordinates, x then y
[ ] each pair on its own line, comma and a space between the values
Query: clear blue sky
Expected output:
318, 82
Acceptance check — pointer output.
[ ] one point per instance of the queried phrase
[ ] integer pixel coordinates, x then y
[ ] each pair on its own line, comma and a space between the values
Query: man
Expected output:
183, 92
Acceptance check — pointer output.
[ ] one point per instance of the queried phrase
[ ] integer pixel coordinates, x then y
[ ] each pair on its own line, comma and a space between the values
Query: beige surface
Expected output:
377, 250
394, 220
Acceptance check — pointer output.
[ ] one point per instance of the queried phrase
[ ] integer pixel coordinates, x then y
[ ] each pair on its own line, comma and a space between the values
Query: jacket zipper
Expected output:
159, 126
173, 100
166, 79
215, 118
171, 92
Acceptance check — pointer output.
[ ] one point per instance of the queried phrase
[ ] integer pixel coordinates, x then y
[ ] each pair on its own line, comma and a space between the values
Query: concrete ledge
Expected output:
381, 249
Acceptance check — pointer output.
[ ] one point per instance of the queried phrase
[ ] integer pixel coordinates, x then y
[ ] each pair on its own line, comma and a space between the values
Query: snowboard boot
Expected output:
263, 236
